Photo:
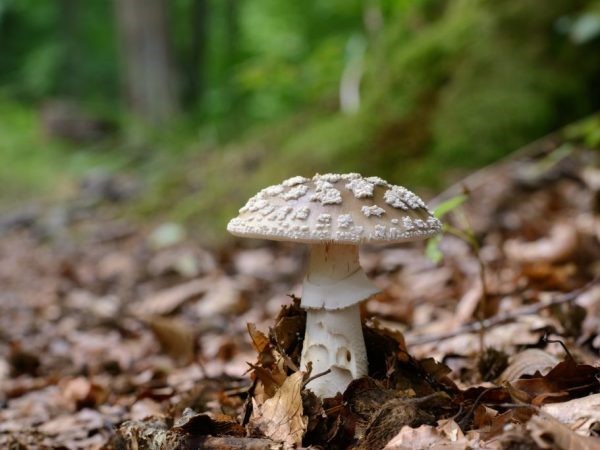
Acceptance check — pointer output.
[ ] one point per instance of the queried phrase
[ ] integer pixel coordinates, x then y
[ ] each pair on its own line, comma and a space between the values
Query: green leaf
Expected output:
449, 205
432, 251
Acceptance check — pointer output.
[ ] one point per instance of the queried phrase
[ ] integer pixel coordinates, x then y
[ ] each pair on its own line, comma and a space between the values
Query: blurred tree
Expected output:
194, 73
149, 74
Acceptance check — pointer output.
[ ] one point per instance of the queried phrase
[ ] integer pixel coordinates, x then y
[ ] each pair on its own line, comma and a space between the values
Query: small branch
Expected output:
562, 344
500, 319
463, 422
516, 406
314, 377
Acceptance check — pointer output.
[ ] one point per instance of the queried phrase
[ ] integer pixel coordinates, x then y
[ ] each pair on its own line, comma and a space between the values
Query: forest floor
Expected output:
116, 335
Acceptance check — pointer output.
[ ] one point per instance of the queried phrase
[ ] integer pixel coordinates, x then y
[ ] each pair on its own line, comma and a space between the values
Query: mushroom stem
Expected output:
332, 262
334, 286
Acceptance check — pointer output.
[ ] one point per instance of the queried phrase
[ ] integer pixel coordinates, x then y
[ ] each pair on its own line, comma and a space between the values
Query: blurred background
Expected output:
186, 107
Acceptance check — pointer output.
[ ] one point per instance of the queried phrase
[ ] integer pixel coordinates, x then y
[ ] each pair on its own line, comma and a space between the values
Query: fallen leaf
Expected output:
4, 369
582, 411
116, 266
168, 300
468, 304
280, 417
185, 261
549, 433
259, 340
82, 392
557, 246
176, 337
146, 408
223, 297
77, 425
446, 436
528, 362
566, 379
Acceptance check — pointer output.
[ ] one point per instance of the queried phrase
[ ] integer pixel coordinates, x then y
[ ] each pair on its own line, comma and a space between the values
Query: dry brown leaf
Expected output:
82, 392
549, 433
168, 300
76, 431
4, 369
528, 362
259, 339
281, 416
559, 245
566, 380
116, 265
176, 337
467, 305
80, 423
223, 297
408, 438
185, 261
503, 336
446, 436
262, 263
590, 300
146, 408
582, 411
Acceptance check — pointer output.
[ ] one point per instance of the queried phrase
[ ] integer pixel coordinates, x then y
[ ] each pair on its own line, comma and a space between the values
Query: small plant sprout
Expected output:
334, 214
465, 233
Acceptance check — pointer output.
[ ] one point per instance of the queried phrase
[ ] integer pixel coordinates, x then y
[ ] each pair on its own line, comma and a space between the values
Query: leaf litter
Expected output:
113, 336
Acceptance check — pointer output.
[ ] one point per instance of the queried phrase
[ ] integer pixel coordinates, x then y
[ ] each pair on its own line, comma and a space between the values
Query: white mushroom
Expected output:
335, 219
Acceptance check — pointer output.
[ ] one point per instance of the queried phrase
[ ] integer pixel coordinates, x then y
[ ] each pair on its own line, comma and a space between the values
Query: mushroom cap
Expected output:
340, 208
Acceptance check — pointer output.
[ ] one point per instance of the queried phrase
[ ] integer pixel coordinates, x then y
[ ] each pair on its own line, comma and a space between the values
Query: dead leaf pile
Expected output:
119, 335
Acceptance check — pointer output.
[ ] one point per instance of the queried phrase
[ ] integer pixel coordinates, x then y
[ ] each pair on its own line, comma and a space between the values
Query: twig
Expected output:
315, 377
500, 319
562, 344
248, 403
516, 406
463, 422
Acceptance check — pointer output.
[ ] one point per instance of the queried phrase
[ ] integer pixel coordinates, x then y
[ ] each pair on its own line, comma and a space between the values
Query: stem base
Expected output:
334, 340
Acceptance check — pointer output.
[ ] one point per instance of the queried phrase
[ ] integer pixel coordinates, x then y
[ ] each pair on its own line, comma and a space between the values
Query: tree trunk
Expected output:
149, 75
68, 21
199, 33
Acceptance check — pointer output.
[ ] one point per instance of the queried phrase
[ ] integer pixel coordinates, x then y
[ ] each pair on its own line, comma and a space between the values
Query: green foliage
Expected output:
449, 205
50, 49
469, 82
506, 89
432, 250
33, 165
447, 85
586, 131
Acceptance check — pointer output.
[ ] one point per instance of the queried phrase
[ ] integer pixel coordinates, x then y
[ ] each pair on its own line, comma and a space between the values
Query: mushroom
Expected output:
334, 214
